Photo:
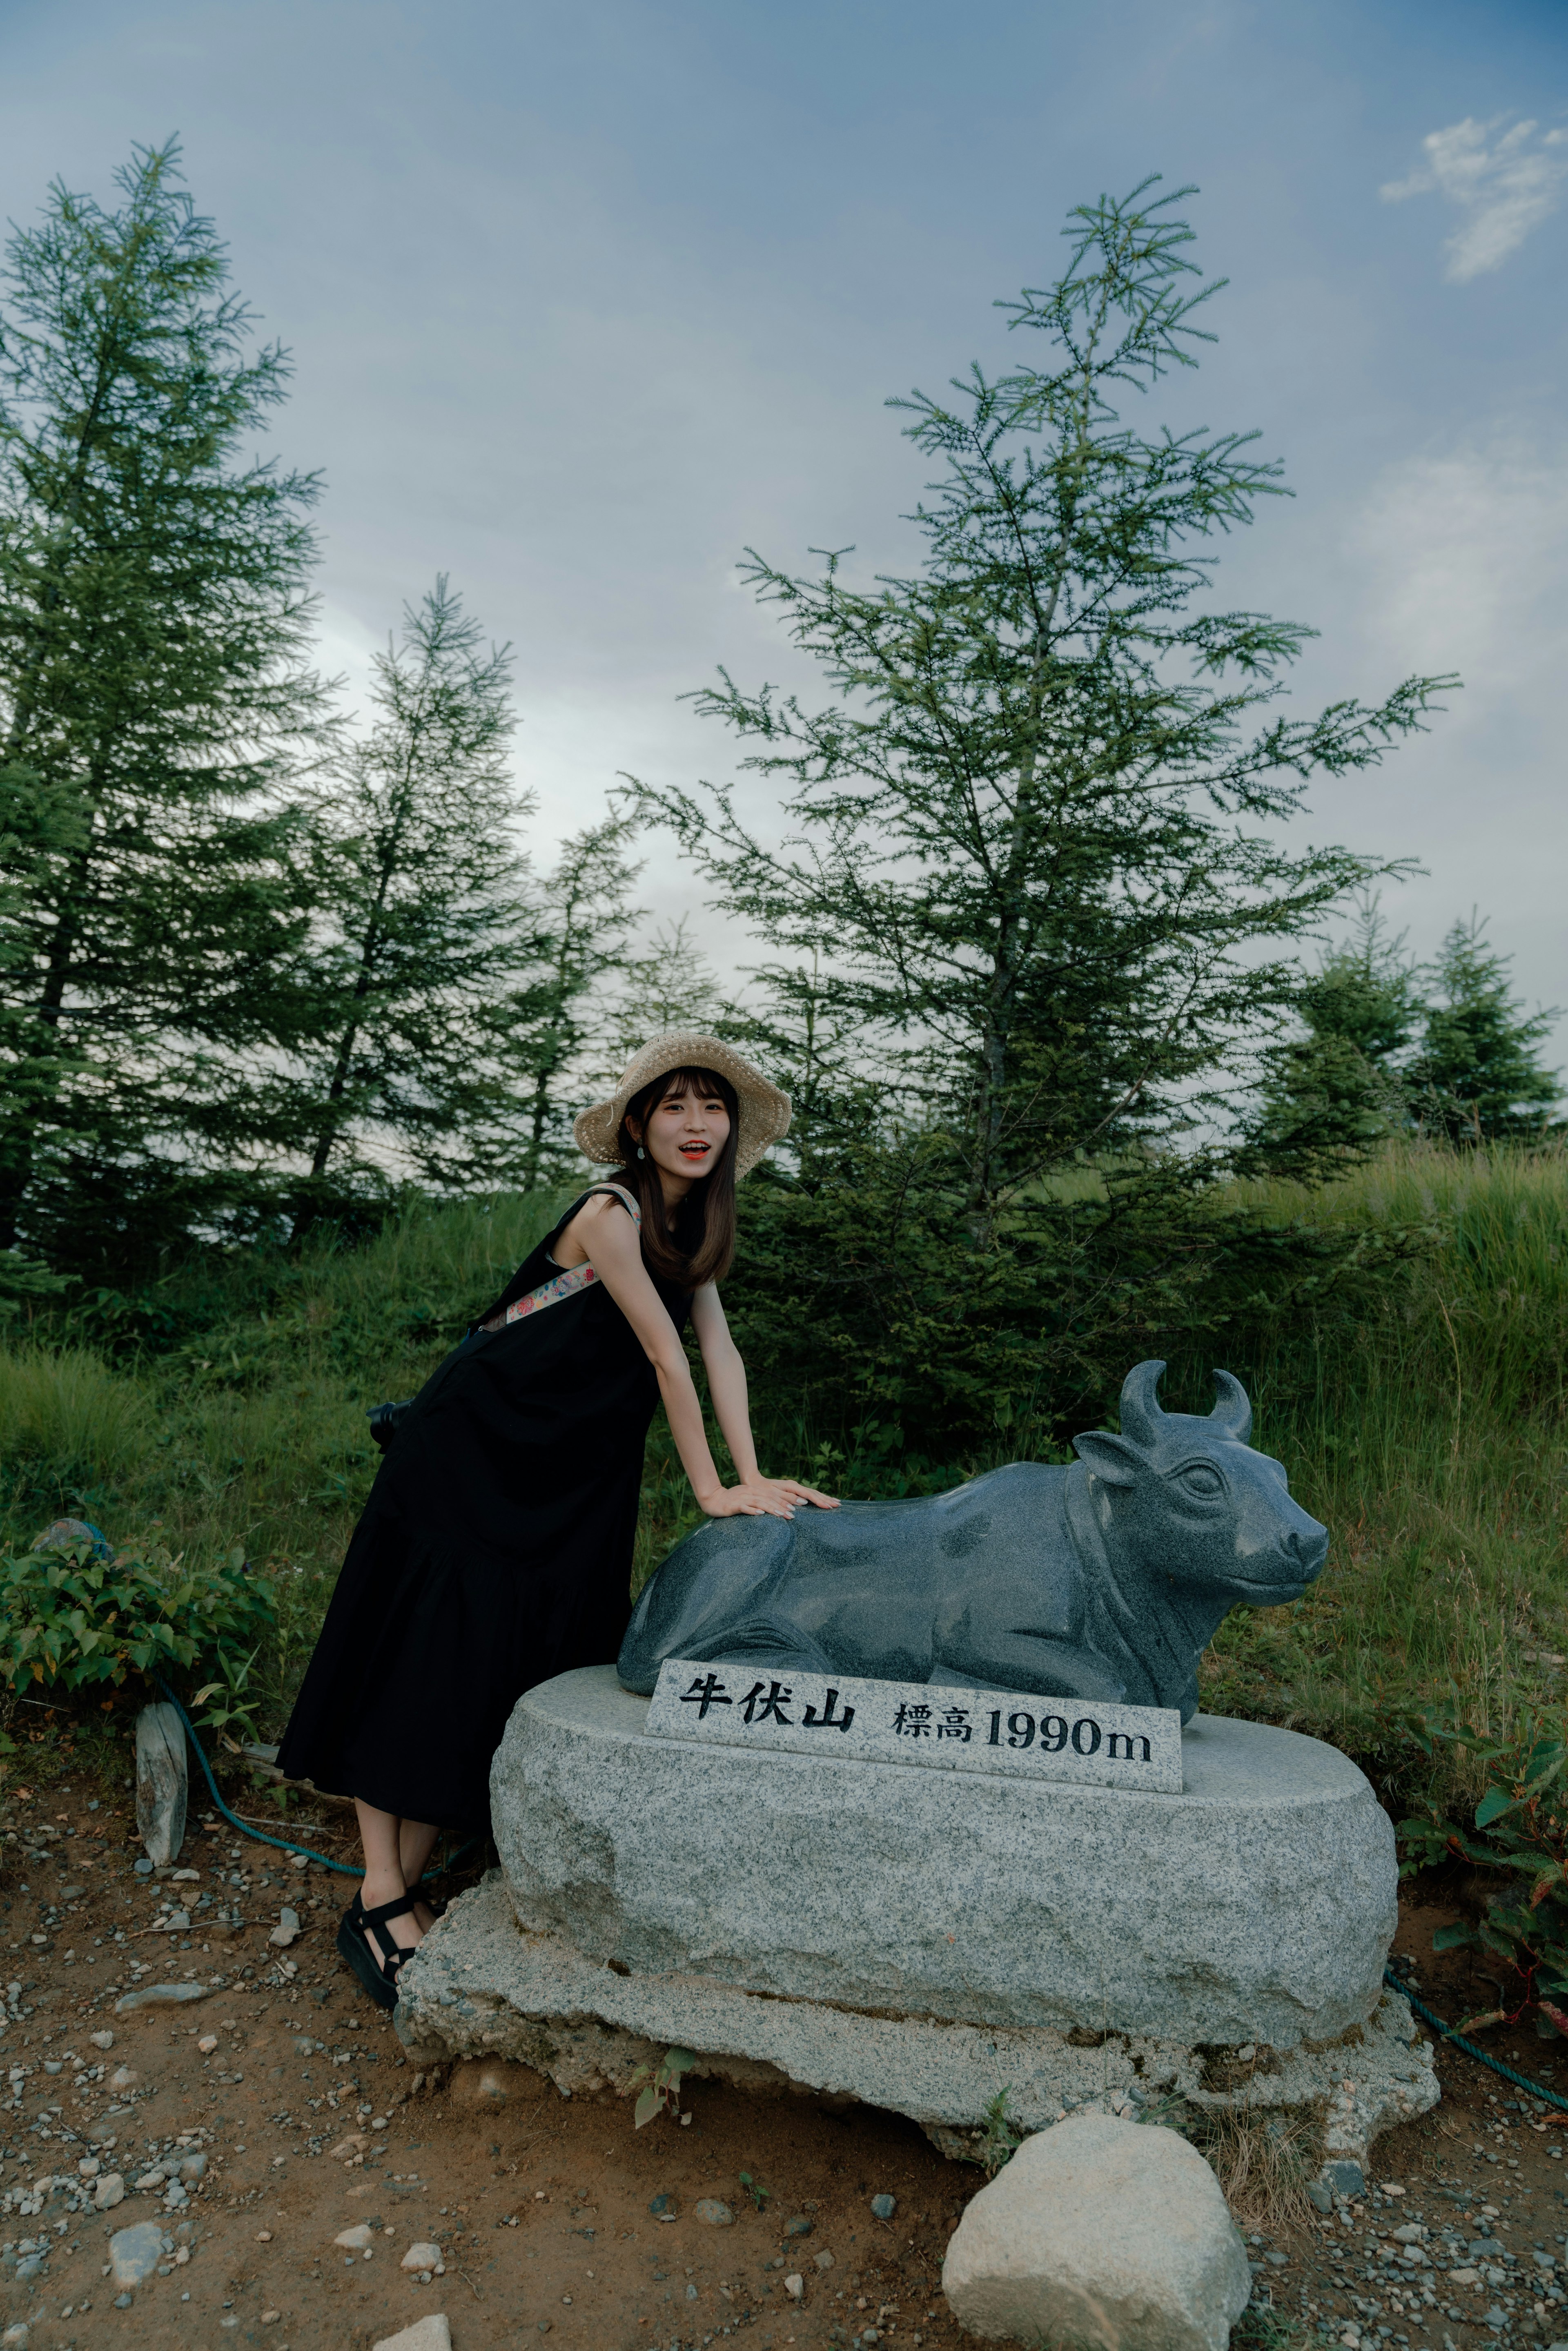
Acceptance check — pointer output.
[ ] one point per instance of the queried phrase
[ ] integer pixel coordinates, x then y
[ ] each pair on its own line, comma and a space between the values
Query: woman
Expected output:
496, 1548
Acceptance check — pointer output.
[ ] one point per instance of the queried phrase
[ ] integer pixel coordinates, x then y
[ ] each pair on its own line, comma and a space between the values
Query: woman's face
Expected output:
685, 1133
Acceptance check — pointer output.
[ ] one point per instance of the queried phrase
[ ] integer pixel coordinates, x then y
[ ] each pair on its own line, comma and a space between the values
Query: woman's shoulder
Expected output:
605, 1204
595, 1216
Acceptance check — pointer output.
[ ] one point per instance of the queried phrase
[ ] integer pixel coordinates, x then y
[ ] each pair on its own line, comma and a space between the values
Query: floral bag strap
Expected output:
567, 1284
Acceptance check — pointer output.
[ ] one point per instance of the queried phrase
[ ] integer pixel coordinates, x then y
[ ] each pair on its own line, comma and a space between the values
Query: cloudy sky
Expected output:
584, 299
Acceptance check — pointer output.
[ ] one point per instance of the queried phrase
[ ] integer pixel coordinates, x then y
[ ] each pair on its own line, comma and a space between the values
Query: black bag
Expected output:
385, 1419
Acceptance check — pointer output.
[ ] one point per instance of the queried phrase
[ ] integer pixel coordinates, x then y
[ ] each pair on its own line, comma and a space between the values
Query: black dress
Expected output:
495, 1551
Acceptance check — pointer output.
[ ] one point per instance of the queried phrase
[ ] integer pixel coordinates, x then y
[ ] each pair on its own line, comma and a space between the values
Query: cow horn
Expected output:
1141, 1409
1232, 1406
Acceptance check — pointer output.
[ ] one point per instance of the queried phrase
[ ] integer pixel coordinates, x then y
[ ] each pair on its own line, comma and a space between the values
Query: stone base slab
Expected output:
1257, 1904
480, 1986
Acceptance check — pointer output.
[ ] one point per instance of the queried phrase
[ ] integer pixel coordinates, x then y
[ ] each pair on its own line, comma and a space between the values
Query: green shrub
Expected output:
1520, 1833
71, 1621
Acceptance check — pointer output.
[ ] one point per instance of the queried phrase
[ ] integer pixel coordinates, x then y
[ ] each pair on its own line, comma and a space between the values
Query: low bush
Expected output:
74, 1621
1519, 1836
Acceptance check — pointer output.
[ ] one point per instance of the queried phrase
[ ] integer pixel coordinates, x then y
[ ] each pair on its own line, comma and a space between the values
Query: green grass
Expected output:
1429, 1434
226, 1405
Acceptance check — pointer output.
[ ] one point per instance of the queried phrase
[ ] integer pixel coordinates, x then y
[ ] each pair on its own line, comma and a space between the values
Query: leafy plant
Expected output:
1520, 1829
757, 2193
1000, 2135
658, 2086
70, 1621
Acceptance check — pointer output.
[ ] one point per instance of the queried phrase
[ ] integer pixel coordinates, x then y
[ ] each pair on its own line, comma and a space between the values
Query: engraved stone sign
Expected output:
1085, 1740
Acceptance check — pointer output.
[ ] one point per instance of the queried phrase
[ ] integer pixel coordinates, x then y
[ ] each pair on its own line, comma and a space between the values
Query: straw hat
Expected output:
764, 1111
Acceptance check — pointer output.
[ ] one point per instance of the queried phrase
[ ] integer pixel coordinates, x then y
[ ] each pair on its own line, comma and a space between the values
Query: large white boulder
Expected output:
1101, 2233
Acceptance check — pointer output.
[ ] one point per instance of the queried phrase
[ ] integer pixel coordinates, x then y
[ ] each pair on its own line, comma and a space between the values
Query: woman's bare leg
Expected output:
384, 1881
415, 1843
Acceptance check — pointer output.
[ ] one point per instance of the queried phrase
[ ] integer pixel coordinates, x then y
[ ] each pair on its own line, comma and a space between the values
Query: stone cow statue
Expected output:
1107, 1580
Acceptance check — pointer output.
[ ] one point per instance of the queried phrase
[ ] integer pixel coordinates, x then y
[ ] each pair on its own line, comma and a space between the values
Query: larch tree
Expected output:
1479, 1076
1033, 833
580, 921
427, 924
154, 695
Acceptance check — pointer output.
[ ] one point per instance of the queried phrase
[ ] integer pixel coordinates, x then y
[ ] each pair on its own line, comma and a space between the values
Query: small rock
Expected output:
1319, 2196
823, 2260
1344, 2178
800, 2226
712, 2213
15, 2338
428, 2333
355, 2239
124, 2077
1247, 2053
193, 2167
418, 2257
287, 1930
1101, 2230
90, 2167
883, 2208
298, 1861
178, 1921
135, 2253
187, 1877
207, 2044
160, 1995
270, 2317
663, 2208
108, 2192
101, 2040
122, 2301
794, 2286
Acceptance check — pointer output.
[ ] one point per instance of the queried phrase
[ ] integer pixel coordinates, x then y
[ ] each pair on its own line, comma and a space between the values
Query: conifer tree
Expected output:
1032, 819
425, 899
1336, 1091
579, 922
1032, 834
1479, 1076
154, 618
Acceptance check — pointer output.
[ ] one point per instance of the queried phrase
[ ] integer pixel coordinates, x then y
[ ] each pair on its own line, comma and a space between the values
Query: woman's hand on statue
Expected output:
775, 1497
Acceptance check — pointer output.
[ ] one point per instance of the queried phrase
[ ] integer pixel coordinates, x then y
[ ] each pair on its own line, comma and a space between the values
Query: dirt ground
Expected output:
548, 2212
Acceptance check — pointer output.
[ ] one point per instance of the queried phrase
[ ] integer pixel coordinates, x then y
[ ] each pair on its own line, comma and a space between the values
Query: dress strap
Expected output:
567, 1284
624, 1196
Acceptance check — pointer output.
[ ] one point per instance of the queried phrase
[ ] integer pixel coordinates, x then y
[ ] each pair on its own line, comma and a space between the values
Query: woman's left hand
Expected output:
782, 1496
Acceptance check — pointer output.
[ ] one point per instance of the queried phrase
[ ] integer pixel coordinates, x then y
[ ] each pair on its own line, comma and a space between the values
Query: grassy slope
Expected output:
1429, 1436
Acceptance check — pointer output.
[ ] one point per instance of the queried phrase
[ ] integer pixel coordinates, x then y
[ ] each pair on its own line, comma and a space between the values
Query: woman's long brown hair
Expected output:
698, 1244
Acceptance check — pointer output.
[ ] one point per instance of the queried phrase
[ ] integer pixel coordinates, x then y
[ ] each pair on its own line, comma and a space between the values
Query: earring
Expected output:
640, 1153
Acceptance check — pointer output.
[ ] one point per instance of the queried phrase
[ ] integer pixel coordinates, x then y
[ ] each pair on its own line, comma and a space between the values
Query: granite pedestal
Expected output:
921, 1939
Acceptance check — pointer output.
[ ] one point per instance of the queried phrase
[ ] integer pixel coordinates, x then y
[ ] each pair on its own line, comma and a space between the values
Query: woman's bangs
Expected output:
705, 1082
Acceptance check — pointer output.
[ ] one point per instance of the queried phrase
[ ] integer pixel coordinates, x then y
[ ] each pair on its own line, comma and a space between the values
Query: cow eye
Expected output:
1202, 1481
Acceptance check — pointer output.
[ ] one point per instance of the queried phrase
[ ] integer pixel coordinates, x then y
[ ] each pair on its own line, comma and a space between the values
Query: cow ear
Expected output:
1110, 1458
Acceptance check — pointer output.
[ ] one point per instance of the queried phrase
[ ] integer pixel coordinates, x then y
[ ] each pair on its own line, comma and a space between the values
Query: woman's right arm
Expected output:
604, 1231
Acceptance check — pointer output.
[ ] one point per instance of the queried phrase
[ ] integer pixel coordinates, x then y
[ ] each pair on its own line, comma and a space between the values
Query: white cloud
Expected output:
1503, 188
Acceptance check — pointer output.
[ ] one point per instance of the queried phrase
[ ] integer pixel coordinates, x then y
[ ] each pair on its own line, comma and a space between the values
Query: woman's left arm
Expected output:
727, 1385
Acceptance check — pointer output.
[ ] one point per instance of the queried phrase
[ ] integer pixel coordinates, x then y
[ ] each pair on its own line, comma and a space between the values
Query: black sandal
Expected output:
379, 1976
